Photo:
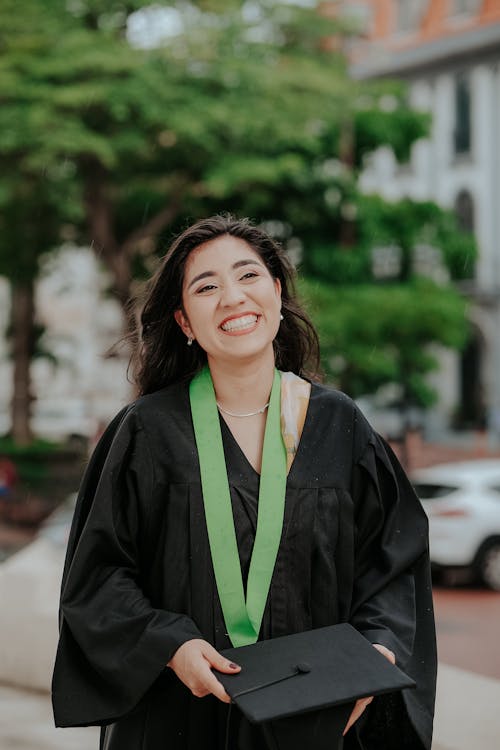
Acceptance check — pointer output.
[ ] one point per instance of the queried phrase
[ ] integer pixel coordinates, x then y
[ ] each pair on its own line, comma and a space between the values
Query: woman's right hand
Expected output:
193, 663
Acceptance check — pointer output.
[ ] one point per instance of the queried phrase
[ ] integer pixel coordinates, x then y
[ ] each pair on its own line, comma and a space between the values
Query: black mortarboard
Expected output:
299, 676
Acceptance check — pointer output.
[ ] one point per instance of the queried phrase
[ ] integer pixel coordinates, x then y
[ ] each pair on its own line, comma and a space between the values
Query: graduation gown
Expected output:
138, 579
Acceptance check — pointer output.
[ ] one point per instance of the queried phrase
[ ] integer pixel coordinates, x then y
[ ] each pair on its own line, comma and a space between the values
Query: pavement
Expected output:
26, 724
467, 716
467, 711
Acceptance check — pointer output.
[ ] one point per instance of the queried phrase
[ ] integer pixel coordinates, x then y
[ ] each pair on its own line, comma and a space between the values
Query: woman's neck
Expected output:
242, 388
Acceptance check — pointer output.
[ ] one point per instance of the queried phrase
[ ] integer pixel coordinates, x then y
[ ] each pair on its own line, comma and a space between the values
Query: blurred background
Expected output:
362, 135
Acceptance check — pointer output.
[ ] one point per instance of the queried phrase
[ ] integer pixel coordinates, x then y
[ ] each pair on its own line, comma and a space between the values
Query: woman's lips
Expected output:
240, 324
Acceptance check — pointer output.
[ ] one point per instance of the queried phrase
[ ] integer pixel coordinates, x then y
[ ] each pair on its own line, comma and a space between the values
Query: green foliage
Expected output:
31, 461
241, 108
375, 334
231, 109
408, 224
400, 127
39, 447
339, 266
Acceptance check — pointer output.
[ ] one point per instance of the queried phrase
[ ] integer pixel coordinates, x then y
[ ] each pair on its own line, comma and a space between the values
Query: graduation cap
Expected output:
311, 679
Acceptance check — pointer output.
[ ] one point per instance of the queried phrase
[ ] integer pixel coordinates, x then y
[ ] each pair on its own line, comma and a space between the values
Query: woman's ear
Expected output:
277, 286
182, 321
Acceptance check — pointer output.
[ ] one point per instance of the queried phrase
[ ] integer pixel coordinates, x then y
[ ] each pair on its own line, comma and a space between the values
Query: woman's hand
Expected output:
192, 663
362, 703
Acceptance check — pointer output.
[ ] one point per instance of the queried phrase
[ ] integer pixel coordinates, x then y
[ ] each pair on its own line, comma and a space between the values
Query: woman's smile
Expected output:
237, 325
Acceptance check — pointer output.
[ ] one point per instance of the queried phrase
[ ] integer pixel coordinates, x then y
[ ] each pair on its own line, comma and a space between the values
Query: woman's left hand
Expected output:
362, 703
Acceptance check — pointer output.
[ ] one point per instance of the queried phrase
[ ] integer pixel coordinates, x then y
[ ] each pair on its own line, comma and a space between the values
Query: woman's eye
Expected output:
206, 288
249, 275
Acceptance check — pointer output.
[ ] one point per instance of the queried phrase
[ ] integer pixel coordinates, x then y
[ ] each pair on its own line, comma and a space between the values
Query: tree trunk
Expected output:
99, 212
347, 231
22, 337
118, 256
120, 266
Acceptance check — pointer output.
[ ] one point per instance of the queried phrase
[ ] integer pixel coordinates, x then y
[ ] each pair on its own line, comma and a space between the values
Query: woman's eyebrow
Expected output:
238, 264
247, 262
204, 275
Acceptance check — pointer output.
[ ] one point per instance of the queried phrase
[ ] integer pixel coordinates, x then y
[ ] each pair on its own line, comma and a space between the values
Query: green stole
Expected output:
242, 618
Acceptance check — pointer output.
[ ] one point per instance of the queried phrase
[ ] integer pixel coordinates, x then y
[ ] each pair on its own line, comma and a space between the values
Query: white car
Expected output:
462, 502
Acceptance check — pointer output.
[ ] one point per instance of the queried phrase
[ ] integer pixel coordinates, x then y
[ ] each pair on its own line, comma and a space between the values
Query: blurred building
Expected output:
82, 383
449, 53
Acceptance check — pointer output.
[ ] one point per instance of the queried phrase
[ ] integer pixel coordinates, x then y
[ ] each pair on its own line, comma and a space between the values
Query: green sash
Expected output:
242, 618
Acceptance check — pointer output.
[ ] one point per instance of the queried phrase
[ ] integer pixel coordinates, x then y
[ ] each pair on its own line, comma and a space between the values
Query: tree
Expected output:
374, 335
36, 198
225, 106
237, 108
384, 304
30, 225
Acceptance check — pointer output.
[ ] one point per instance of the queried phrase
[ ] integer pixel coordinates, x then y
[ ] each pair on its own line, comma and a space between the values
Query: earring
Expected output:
190, 341
281, 316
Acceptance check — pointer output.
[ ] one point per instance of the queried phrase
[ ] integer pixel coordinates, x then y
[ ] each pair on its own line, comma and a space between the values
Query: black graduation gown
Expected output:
138, 579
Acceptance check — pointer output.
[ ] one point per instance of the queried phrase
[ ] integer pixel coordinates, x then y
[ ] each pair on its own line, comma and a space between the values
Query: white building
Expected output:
86, 384
449, 53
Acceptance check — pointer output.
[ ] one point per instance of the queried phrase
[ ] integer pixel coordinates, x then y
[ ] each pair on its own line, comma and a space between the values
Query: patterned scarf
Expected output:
295, 394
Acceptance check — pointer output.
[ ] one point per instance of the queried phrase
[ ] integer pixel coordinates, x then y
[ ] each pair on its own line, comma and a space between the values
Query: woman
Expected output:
143, 618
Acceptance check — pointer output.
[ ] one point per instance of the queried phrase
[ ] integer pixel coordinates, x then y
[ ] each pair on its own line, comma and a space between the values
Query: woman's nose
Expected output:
232, 294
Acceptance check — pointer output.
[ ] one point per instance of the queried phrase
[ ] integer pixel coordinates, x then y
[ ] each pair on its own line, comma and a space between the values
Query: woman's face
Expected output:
231, 302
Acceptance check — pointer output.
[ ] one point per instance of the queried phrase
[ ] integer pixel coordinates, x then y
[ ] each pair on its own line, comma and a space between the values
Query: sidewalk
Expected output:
467, 716
26, 724
467, 711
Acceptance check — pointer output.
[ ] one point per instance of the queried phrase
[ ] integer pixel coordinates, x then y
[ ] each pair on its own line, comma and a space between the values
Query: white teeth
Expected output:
238, 324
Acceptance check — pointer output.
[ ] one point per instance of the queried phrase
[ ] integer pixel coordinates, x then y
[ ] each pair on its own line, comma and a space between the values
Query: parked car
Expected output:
462, 502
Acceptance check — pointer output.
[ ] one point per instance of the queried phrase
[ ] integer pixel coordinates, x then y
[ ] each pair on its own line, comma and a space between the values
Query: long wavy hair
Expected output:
161, 355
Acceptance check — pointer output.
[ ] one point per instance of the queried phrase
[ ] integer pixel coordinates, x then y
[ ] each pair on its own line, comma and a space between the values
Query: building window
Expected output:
472, 409
461, 7
462, 135
464, 210
387, 262
409, 14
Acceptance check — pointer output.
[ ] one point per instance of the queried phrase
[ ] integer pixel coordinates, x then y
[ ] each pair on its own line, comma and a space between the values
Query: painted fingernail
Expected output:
233, 665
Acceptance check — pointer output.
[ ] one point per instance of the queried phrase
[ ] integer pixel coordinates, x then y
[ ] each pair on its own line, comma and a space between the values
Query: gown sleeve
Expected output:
392, 597
113, 643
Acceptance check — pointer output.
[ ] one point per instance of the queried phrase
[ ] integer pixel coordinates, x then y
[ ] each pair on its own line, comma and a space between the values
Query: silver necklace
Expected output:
250, 413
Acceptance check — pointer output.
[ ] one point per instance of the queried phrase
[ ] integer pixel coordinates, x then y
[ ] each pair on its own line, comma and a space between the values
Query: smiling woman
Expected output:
237, 500
163, 356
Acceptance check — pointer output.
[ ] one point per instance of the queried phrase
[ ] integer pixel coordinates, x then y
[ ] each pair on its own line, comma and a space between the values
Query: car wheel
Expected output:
489, 565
